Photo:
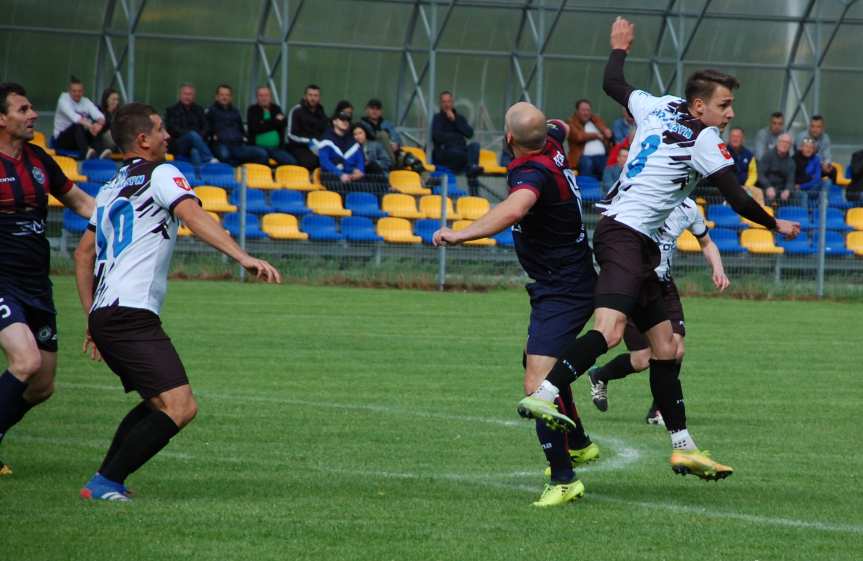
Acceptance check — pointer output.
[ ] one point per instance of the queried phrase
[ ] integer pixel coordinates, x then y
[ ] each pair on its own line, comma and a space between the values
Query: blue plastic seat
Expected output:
188, 170
590, 187
99, 171
52, 143
231, 223
453, 190
836, 197
256, 202
724, 217
90, 188
504, 239
834, 245
726, 240
74, 223
801, 245
795, 214
364, 204
426, 228
289, 202
218, 175
320, 228
360, 229
835, 220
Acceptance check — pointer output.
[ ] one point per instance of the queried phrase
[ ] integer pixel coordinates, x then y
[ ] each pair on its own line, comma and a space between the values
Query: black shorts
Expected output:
627, 279
636, 341
37, 314
135, 347
557, 316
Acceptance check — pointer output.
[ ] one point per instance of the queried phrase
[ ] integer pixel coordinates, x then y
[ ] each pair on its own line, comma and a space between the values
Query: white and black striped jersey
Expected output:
684, 217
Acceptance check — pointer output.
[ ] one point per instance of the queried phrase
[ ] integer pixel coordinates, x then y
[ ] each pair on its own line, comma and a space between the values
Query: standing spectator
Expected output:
187, 125
339, 153
382, 130
108, 105
776, 173
266, 125
450, 134
306, 124
227, 132
588, 138
823, 146
612, 173
741, 154
622, 126
766, 138
377, 159
77, 121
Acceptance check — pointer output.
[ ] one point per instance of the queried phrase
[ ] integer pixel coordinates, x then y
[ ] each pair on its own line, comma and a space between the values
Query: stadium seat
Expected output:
40, 140
751, 224
218, 175
471, 208
397, 230
360, 229
184, 232
488, 163
99, 171
90, 188
835, 220
260, 176
726, 241
327, 203
751, 174
400, 206
425, 229
214, 199
255, 201
796, 214
188, 170
73, 223
364, 204
61, 151
280, 226
253, 226
801, 245
482, 242
854, 218
590, 187
407, 182
452, 187
316, 179
420, 154
759, 242
321, 228
855, 243
70, 168
834, 245
688, 243
836, 197
289, 202
54, 202
841, 178
724, 217
430, 207
296, 178
504, 238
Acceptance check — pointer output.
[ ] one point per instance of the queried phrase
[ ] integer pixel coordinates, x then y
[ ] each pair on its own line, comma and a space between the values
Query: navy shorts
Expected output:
557, 316
38, 314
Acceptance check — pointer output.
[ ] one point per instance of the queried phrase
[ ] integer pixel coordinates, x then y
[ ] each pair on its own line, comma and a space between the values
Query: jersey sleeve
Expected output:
525, 179
641, 104
170, 186
58, 183
696, 222
709, 155
557, 130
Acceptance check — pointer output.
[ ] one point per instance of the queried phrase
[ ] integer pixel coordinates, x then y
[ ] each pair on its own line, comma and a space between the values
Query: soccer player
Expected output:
544, 205
28, 324
674, 137
684, 217
129, 245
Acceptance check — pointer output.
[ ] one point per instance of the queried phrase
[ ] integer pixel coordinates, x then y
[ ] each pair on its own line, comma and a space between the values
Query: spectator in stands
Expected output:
808, 169
612, 173
77, 121
625, 143
227, 133
382, 130
377, 159
588, 140
266, 125
187, 125
108, 105
450, 134
621, 127
344, 106
766, 138
854, 191
306, 125
823, 146
776, 173
340, 154
741, 154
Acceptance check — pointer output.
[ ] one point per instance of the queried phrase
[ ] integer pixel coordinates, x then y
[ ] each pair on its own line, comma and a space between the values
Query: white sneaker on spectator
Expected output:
213, 161
106, 153
90, 154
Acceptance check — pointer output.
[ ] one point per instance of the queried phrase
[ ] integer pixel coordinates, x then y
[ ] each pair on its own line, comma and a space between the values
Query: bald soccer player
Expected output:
544, 210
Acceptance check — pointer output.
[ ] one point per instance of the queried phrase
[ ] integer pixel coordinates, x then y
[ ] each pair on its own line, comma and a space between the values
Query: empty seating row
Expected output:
762, 242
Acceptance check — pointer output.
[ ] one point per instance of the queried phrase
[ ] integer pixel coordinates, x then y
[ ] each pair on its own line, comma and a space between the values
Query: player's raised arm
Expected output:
744, 205
613, 82
497, 219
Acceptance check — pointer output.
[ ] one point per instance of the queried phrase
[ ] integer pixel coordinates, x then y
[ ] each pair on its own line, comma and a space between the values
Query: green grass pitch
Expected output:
356, 424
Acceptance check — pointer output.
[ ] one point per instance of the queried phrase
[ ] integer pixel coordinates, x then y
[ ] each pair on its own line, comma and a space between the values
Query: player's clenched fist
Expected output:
446, 236
622, 34
788, 229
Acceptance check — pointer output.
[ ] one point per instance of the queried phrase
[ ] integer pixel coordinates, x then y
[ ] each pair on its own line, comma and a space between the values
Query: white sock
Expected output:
546, 391
680, 440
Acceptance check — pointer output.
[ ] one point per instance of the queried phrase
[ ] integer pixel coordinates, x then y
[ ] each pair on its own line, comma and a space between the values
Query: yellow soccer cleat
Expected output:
580, 457
5, 469
546, 412
698, 463
560, 494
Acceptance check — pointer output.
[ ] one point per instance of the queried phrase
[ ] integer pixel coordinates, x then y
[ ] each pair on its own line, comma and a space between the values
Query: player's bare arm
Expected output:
77, 200
85, 260
711, 254
499, 218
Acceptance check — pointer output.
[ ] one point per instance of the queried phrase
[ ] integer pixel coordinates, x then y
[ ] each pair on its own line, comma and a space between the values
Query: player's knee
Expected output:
25, 364
640, 360
186, 412
678, 354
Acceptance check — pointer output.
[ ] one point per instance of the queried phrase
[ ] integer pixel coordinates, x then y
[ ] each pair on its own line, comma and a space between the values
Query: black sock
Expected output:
554, 446
132, 418
11, 399
577, 358
144, 441
576, 438
667, 393
619, 367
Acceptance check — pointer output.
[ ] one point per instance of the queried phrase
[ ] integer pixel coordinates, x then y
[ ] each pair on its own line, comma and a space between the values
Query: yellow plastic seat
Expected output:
295, 178
214, 199
260, 177
419, 154
751, 224
688, 243
280, 226
482, 242
430, 207
54, 202
760, 241
854, 218
39, 140
488, 163
397, 230
169, 157
398, 205
751, 174
854, 242
183, 231
407, 182
471, 208
316, 179
70, 169
841, 180
327, 203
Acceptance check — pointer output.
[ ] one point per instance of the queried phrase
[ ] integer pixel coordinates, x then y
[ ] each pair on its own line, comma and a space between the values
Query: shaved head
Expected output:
526, 125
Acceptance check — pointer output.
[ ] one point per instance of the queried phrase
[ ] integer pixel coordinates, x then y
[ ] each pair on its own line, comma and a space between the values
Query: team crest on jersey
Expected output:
182, 183
724, 149
38, 175
559, 159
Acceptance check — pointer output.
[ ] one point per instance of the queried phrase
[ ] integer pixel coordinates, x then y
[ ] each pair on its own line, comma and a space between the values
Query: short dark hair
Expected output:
312, 87
777, 115
704, 82
375, 103
443, 93
75, 80
225, 86
132, 119
7, 89
732, 129
817, 118
580, 101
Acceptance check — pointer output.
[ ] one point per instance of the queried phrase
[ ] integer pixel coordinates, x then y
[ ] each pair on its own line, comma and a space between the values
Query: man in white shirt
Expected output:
77, 122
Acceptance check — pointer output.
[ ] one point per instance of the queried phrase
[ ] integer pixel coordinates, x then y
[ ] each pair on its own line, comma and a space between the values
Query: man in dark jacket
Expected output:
266, 125
450, 133
227, 133
776, 172
306, 124
187, 125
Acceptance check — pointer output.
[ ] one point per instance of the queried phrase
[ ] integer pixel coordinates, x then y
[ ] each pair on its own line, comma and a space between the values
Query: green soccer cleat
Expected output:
700, 464
580, 457
560, 494
546, 412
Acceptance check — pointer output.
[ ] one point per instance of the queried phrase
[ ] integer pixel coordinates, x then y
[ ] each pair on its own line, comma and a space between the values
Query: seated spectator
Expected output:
808, 169
382, 130
741, 154
266, 125
625, 143
306, 125
227, 133
450, 134
588, 138
187, 125
340, 155
621, 127
377, 159
612, 173
344, 106
766, 138
108, 105
854, 191
823, 146
77, 121
776, 173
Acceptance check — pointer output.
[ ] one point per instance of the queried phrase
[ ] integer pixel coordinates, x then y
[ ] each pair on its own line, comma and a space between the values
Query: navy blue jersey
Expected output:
551, 241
